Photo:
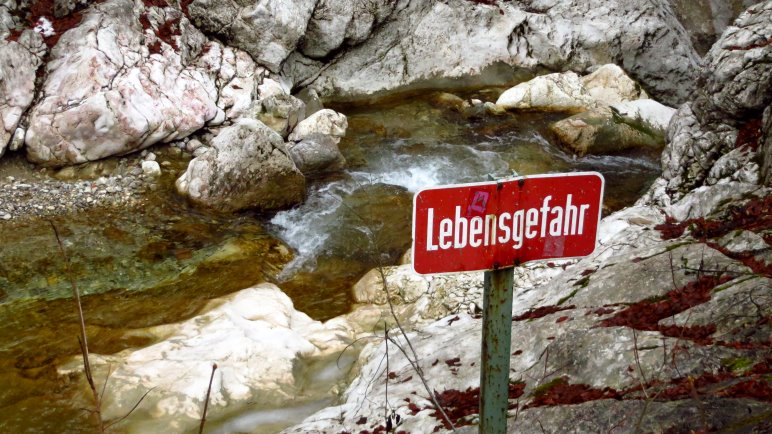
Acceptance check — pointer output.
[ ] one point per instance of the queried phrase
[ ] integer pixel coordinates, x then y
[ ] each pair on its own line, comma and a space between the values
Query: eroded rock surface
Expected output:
129, 76
18, 62
729, 113
268, 30
421, 40
262, 348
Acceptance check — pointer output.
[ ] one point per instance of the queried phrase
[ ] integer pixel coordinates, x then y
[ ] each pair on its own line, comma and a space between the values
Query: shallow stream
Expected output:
160, 264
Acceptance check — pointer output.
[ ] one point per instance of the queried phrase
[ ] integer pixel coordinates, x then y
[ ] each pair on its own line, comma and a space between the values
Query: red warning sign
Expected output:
493, 225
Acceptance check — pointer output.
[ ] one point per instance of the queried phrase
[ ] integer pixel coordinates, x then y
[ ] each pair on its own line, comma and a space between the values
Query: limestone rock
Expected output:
728, 110
645, 115
239, 76
268, 30
317, 154
277, 109
18, 62
766, 148
114, 85
610, 85
568, 92
597, 132
740, 82
327, 122
404, 286
424, 40
552, 92
247, 166
262, 346
327, 27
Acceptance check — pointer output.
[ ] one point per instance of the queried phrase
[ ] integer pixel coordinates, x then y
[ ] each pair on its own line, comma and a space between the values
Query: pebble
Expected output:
151, 168
150, 157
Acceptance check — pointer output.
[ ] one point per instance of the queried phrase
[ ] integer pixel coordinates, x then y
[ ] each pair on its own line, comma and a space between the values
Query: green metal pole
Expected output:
496, 334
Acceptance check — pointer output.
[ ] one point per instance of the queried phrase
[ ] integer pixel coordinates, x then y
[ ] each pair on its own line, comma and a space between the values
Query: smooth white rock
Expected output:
151, 168
327, 122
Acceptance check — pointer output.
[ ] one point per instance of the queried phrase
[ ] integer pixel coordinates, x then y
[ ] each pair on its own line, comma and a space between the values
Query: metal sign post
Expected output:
482, 226
496, 334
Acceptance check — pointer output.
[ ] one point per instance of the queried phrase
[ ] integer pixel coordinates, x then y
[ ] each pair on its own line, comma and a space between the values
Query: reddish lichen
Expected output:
459, 404
540, 312
750, 134
753, 215
646, 314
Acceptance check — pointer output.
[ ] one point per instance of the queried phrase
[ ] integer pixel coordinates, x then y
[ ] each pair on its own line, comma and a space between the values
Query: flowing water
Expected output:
160, 264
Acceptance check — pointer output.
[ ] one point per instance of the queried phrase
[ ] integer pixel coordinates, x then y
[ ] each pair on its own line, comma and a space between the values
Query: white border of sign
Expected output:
515, 179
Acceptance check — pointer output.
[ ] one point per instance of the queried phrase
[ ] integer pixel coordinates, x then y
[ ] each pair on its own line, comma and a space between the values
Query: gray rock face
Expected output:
280, 112
317, 154
327, 28
766, 148
114, 86
247, 166
422, 40
268, 30
728, 113
18, 62
706, 20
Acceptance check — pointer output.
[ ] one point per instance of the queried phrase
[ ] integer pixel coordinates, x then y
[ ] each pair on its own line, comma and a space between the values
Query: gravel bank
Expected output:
28, 191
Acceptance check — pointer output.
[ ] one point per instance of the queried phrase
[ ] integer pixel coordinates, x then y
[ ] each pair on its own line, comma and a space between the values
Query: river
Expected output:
160, 264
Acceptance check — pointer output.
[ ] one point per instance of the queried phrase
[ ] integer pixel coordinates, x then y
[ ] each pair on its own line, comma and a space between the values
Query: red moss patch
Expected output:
457, 404
753, 215
156, 3
540, 312
754, 388
168, 31
747, 258
646, 315
750, 134
560, 392
699, 334
600, 311
184, 5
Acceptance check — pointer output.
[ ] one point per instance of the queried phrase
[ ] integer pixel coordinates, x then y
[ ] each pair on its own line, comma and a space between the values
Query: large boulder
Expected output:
326, 121
568, 92
268, 30
267, 355
729, 112
424, 40
553, 92
129, 76
19, 60
317, 154
597, 132
609, 85
314, 142
627, 125
247, 166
